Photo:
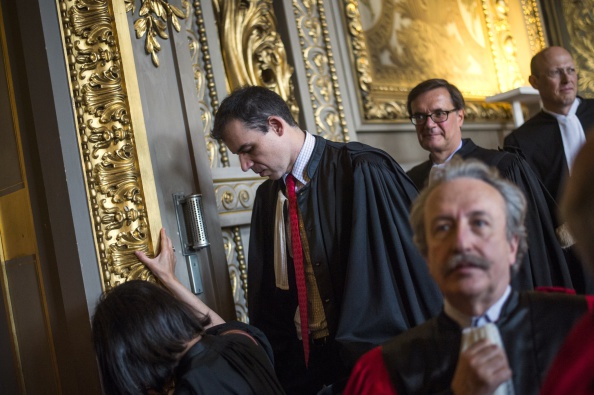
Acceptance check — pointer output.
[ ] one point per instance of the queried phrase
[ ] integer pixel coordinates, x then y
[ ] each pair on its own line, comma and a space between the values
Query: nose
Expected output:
463, 238
245, 162
429, 123
564, 77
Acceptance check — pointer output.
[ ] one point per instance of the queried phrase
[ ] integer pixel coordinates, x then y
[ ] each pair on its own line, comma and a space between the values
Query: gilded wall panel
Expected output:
206, 92
111, 135
252, 48
579, 16
322, 82
395, 44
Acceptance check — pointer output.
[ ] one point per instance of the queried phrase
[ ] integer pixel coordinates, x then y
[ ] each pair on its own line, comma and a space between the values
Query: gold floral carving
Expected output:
252, 49
218, 154
233, 245
503, 46
236, 196
536, 38
106, 136
152, 22
320, 70
402, 43
580, 24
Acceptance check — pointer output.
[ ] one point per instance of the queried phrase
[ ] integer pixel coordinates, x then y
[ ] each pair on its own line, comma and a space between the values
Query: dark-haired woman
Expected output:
151, 342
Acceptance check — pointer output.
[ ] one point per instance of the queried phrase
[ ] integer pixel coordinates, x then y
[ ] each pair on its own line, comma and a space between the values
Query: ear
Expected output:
460, 114
276, 124
533, 81
513, 250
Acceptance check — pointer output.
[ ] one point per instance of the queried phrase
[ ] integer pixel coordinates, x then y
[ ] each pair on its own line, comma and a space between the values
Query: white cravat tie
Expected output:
573, 137
572, 132
488, 331
280, 244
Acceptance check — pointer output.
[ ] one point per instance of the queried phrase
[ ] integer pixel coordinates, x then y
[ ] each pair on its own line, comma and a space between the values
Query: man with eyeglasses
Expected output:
436, 108
551, 139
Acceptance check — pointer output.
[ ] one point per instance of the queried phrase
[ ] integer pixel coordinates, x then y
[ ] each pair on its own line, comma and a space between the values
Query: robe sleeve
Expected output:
571, 371
388, 288
370, 376
546, 263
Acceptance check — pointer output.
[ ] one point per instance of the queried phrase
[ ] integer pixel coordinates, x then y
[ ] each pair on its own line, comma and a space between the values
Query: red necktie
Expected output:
298, 263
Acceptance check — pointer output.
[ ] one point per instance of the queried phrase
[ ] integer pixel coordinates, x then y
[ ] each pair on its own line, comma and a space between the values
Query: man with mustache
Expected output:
436, 108
469, 224
364, 278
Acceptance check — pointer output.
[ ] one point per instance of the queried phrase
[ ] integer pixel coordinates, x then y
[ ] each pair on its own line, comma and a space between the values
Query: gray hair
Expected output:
515, 202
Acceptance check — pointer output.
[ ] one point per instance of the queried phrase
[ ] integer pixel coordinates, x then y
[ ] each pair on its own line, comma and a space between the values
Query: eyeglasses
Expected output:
556, 73
437, 117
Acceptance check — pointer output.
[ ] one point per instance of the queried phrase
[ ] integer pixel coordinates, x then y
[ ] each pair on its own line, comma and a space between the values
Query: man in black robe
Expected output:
366, 281
550, 140
571, 372
469, 224
546, 264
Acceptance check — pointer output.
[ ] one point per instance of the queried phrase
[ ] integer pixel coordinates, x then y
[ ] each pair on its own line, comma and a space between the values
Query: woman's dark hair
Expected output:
139, 333
252, 105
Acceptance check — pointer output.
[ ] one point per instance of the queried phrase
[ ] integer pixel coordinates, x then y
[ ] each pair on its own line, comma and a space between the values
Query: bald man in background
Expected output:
550, 140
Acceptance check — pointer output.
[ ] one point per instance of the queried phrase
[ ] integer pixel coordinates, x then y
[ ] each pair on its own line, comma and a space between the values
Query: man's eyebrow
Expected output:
441, 217
243, 147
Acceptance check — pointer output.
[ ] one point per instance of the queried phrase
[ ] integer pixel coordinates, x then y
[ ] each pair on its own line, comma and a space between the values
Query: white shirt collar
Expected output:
572, 132
572, 110
299, 167
492, 312
449, 157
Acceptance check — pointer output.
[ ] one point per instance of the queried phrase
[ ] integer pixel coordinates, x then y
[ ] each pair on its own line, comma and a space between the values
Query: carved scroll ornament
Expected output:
106, 135
152, 22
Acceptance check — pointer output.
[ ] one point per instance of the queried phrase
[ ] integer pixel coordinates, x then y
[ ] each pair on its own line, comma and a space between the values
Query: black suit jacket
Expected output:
539, 142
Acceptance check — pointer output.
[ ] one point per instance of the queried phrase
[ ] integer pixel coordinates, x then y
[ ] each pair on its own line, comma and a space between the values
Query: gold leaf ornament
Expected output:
152, 22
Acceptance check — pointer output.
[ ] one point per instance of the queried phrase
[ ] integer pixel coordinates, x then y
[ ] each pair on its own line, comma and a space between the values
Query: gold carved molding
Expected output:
236, 195
536, 38
152, 22
234, 252
503, 45
387, 67
322, 81
580, 25
218, 155
111, 136
252, 49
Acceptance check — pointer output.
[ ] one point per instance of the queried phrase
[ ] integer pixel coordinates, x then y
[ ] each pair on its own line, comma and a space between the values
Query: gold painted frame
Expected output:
482, 46
112, 136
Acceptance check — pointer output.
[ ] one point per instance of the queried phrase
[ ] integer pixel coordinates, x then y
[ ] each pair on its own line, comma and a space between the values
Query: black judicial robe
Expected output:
226, 362
539, 141
372, 280
545, 264
532, 325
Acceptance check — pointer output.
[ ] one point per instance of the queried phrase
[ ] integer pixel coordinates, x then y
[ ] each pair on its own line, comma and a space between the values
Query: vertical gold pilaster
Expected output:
112, 137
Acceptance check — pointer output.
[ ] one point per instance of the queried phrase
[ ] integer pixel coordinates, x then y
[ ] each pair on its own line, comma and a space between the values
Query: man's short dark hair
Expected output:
139, 332
435, 83
252, 105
